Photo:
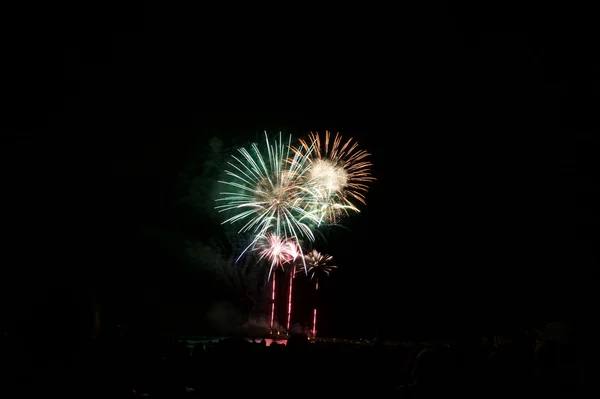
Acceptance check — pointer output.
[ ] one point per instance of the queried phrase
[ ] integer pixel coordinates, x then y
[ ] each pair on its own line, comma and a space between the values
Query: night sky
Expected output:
480, 124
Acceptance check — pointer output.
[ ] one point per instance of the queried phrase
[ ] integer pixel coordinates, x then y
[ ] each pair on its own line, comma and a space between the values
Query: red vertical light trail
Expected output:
289, 315
314, 331
272, 304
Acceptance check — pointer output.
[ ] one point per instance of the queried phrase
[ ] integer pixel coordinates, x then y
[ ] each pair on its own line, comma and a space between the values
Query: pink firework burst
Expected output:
278, 251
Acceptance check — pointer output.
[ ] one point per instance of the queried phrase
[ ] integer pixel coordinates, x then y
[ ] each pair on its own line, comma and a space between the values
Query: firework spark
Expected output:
317, 266
290, 288
279, 251
280, 193
336, 175
266, 194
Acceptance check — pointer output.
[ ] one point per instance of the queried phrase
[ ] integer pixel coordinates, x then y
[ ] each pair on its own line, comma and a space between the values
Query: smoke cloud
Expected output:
224, 318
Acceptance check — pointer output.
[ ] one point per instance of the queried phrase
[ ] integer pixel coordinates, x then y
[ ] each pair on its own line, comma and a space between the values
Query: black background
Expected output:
480, 121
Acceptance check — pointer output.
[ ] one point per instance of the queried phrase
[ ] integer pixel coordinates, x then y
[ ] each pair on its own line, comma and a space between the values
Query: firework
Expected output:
281, 193
317, 264
335, 175
291, 286
295, 252
278, 251
265, 192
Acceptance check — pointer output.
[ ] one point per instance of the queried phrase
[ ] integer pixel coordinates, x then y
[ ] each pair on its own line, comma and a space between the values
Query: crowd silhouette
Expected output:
130, 367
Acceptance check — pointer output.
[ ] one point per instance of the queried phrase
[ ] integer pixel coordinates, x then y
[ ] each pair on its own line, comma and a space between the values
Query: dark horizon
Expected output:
483, 215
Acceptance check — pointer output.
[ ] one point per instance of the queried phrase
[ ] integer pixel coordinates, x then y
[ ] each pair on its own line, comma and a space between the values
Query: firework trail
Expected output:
272, 317
281, 193
335, 175
317, 267
314, 330
266, 194
289, 313
278, 251
295, 252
